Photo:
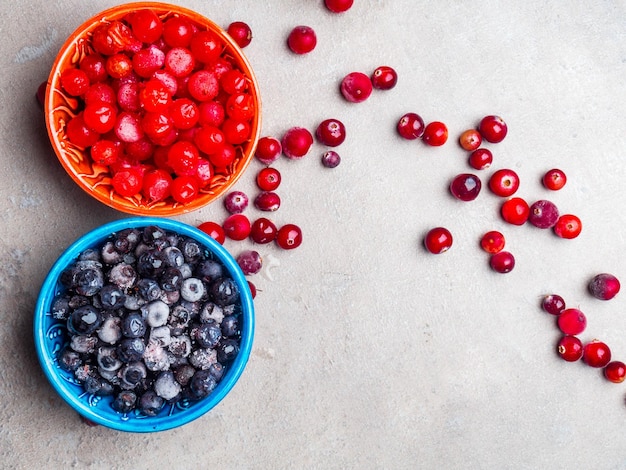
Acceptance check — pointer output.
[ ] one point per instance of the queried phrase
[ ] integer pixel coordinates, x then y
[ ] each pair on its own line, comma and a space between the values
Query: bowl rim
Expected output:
47, 359
66, 51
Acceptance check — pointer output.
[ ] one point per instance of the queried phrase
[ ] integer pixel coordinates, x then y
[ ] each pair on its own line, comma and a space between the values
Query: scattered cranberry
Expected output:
493, 129
240, 32
615, 372
554, 179
515, 211
213, 230
250, 262
470, 140
596, 354
465, 187
568, 226
338, 6
356, 87
253, 289
384, 78
268, 179
331, 132
504, 182
236, 202
572, 321
435, 134
438, 240
263, 231
492, 242
268, 150
296, 142
411, 126
570, 348
543, 214
267, 201
604, 286
237, 227
480, 159
289, 236
553, 304
41, 93
502, 262
302, 39
331, 159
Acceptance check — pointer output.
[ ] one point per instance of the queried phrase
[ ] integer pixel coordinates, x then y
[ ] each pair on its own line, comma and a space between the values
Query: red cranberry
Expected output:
543, 214
268, 179
356, 87
604, 286
554, 179
384, 78
296, 142
338, 6
553, 304
493, 129
240, 32
237, 227
435, 134
331, 132
502, 262
438, 240
263, 231
480, 159
268, 150
236, 202
213, 230
331, 159
504, 182
570, 348
302, 39
470, 140
492, 242
596, 354
515, 211
572, 321
568, 226
465, 187
615, 372
267, 201
411, 126
289, 236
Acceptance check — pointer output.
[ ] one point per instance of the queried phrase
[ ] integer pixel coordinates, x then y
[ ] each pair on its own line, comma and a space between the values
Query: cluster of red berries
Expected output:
572, 322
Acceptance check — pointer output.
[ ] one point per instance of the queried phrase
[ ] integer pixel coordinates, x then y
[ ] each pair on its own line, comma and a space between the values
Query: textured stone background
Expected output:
369, 353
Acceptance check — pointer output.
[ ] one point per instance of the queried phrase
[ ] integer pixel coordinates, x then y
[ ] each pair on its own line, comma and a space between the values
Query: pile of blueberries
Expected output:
152, 319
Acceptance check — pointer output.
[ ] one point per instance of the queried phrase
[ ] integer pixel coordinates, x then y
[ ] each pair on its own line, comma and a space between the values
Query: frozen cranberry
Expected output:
596, 354
504, 182
179, 61
502, 262
568, 226
267, 201
338, 6
127, 182
604, 286
515, 211
543, 214
296, 142
94, 65
289, 236
268, 179
356, 87
553, 304
480, 159
411, 126
211, 113
465, 187
157, 185
302, 39
268, 150
331, 159
570, 348
240, 32
493, 129
203, 85
384, 78
470, 140
263, 230
105, 152
214, 230
572, 321
615, 372
435, 134
236, 202
148, 60
331, 132
438, 240
492, 242
250, 262
554, 179
237, 227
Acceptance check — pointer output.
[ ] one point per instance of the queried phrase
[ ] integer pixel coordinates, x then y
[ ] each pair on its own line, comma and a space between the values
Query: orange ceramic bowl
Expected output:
95, 178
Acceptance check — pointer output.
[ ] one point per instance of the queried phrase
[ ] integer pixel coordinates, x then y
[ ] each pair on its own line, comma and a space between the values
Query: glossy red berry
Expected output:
570, 348
331, 132
237, 227
554, 179
268, 150
568, 226
470, 140
213, 230
492, 242
438, 240
515, 211
296, 142
268, 179
504, 182
338, 6
263, 230
502, 262
267, 201
493, 129
604, 286
331, 159
235, 202
74, 81
480, 159
435, 134
411, 126
250, 262
465, 187
384, 78
553, 304
302, 39
356, 87
185, 188
596, 354
157, 185
253, 289
543, 214
615, 372
127, 182
572, 321
240, 32
289, 236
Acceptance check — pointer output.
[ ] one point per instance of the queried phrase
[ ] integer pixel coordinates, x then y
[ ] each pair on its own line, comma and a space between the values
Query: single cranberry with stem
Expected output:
236, 202
470, 140
554, 179
253, 289
250, 262
502, 262
465, 187
493, 129
384, 78
268, 179
331, 159
338, 6
543, 214
515, 211
263, 230
267, 201
356, 87
296, 142
411, 126
289, 236
596, 354
302, 39
480, 159
568, 226
237, 227
615, 371
570, 348
268, 150
492, 242
504, 182
213, 230
572, 321
331, 132
604, 286
438, 240
553, 304
240, 32
435, 134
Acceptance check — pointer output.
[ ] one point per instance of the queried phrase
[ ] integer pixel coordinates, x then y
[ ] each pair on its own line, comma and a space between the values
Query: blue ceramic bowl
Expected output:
51, 336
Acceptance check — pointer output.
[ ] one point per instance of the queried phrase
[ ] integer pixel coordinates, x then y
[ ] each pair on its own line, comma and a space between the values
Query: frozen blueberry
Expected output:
171, 279
149, 289
202, 384
90, 254
192, 289
153, 233
84, 344
202, 358
84, 320
123, 275
111, 296
155, 357
126, 240
150, 403
96, 385
217, 371
150, 264
166, 386
224, 291
131, 349
133, 326
161, 335
107, 359
111, 330
109, 254
209, 270
180, 346
61, 308
132, 374
230, 325
207, 335
184, 373
191, 249
87, 278
69, 360
173, 257
211, 312
156, 313
124, 401
227, 350
133, 301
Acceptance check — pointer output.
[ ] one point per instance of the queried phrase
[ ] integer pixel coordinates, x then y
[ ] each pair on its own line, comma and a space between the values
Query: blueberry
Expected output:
150, 264
209, 270
155, 357
224, 291
173, 257
126, 240
96, 385
61, 308
180, 346
192, 289
202, 384
211, 312
171, 279
156, 313
111, 296
69, 360
132, 374
192, 250
107, 359
202, 358
153, 233
150, 403
131, 349
217, 371
84, 344
84, 320
87, 278
123, 275
166, 386
207, 335
230, 325
227, 350
149, 289
184, 373
109, 254
111, 330
133, 326
124, 401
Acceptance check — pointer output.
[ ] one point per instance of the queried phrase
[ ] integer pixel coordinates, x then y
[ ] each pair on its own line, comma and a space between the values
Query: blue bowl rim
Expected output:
145, 424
